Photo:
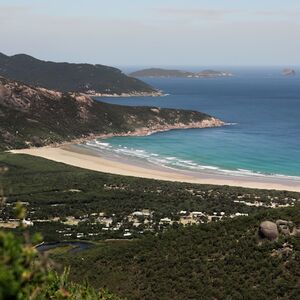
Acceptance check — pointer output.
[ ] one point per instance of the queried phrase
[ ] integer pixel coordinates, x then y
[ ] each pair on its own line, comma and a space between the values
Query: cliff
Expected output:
32, 116
70, 77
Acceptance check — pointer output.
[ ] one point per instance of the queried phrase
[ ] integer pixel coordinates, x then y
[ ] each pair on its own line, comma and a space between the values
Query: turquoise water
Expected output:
263, 105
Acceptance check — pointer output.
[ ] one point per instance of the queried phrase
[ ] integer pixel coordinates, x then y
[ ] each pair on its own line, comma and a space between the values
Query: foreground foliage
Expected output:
26, 274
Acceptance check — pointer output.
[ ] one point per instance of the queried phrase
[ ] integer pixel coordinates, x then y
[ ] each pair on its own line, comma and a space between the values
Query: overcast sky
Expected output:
154, 32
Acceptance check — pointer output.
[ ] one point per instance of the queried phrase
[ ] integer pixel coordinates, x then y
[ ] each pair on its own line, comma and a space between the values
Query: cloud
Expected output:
8, 12
167, 37
284, 13
12, 10
220, 14
199, 12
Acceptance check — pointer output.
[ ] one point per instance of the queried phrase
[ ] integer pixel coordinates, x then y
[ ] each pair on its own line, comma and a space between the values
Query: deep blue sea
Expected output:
263, 105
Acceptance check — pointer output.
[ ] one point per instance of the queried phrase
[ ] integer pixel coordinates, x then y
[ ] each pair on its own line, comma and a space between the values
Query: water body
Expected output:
76, 246
263, 105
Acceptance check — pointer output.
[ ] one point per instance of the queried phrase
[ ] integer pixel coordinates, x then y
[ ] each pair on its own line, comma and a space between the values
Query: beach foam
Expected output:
172, 162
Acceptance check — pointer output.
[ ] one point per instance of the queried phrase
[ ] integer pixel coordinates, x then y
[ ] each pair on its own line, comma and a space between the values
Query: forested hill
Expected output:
37, 116
221, 260
70, 77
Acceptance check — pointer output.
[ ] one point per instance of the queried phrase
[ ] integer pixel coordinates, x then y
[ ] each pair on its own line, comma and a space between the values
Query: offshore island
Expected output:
165, 73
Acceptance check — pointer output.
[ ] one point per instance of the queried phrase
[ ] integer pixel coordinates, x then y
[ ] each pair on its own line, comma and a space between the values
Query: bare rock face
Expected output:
284, 226
4, 92
284, 222
268, 230
296, 232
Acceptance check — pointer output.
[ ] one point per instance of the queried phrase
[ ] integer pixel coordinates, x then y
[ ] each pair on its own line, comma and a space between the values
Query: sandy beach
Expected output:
82, 158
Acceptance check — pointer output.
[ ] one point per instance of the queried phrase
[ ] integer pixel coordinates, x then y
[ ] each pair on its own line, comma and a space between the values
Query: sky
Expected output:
154, 32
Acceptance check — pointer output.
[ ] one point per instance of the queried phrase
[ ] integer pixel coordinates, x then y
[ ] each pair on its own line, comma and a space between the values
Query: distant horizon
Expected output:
120, 66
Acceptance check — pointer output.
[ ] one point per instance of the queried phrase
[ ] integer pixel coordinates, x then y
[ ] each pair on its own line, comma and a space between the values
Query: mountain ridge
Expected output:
72, 77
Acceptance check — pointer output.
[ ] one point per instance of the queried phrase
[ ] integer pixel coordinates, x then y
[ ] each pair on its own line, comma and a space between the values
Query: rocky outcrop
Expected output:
268, 230
284, 226
271, 230
288, 72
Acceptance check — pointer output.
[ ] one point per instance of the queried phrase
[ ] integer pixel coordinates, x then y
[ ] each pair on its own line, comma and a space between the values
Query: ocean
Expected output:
262, 106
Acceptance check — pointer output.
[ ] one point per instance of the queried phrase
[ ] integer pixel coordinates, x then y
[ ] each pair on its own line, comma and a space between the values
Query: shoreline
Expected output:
212, 122
157, 93
77, 156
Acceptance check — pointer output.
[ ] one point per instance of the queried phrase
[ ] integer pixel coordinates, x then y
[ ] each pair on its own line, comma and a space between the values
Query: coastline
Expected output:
77, 156
157, 93
143, 131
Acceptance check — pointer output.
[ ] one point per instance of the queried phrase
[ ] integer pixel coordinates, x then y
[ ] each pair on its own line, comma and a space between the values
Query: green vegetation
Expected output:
33, 116
52, 192
26, 274
144, 246
217, 260
156, 72
221, 260
68, 77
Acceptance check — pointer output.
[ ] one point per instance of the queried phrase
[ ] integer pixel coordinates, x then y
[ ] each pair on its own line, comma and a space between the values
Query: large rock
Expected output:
284, 226
296, 231
284, 222
268, 230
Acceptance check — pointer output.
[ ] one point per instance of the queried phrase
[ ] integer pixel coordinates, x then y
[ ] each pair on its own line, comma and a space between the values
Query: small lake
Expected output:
74, 246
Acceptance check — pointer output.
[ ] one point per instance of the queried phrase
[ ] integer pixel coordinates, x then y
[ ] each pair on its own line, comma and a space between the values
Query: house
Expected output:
27, 223
165, 221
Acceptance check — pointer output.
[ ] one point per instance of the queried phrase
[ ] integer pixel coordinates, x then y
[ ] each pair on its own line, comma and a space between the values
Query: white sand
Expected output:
69, 155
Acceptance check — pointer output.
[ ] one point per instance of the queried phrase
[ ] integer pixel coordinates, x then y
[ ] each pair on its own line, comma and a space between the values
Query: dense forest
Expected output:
221, 260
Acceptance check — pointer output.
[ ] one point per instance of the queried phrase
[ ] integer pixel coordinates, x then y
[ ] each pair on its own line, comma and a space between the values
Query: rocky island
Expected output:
33, 116
288, 72
157, 72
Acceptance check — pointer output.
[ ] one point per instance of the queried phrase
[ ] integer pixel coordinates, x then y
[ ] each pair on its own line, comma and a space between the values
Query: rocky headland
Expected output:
33, 116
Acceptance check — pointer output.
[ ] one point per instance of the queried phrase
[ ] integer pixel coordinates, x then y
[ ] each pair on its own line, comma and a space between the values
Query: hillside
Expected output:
71, 77
157, 72
72, 199
220, 259
37, 116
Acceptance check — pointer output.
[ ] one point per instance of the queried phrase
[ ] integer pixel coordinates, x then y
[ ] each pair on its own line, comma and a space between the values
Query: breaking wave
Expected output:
172, 162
